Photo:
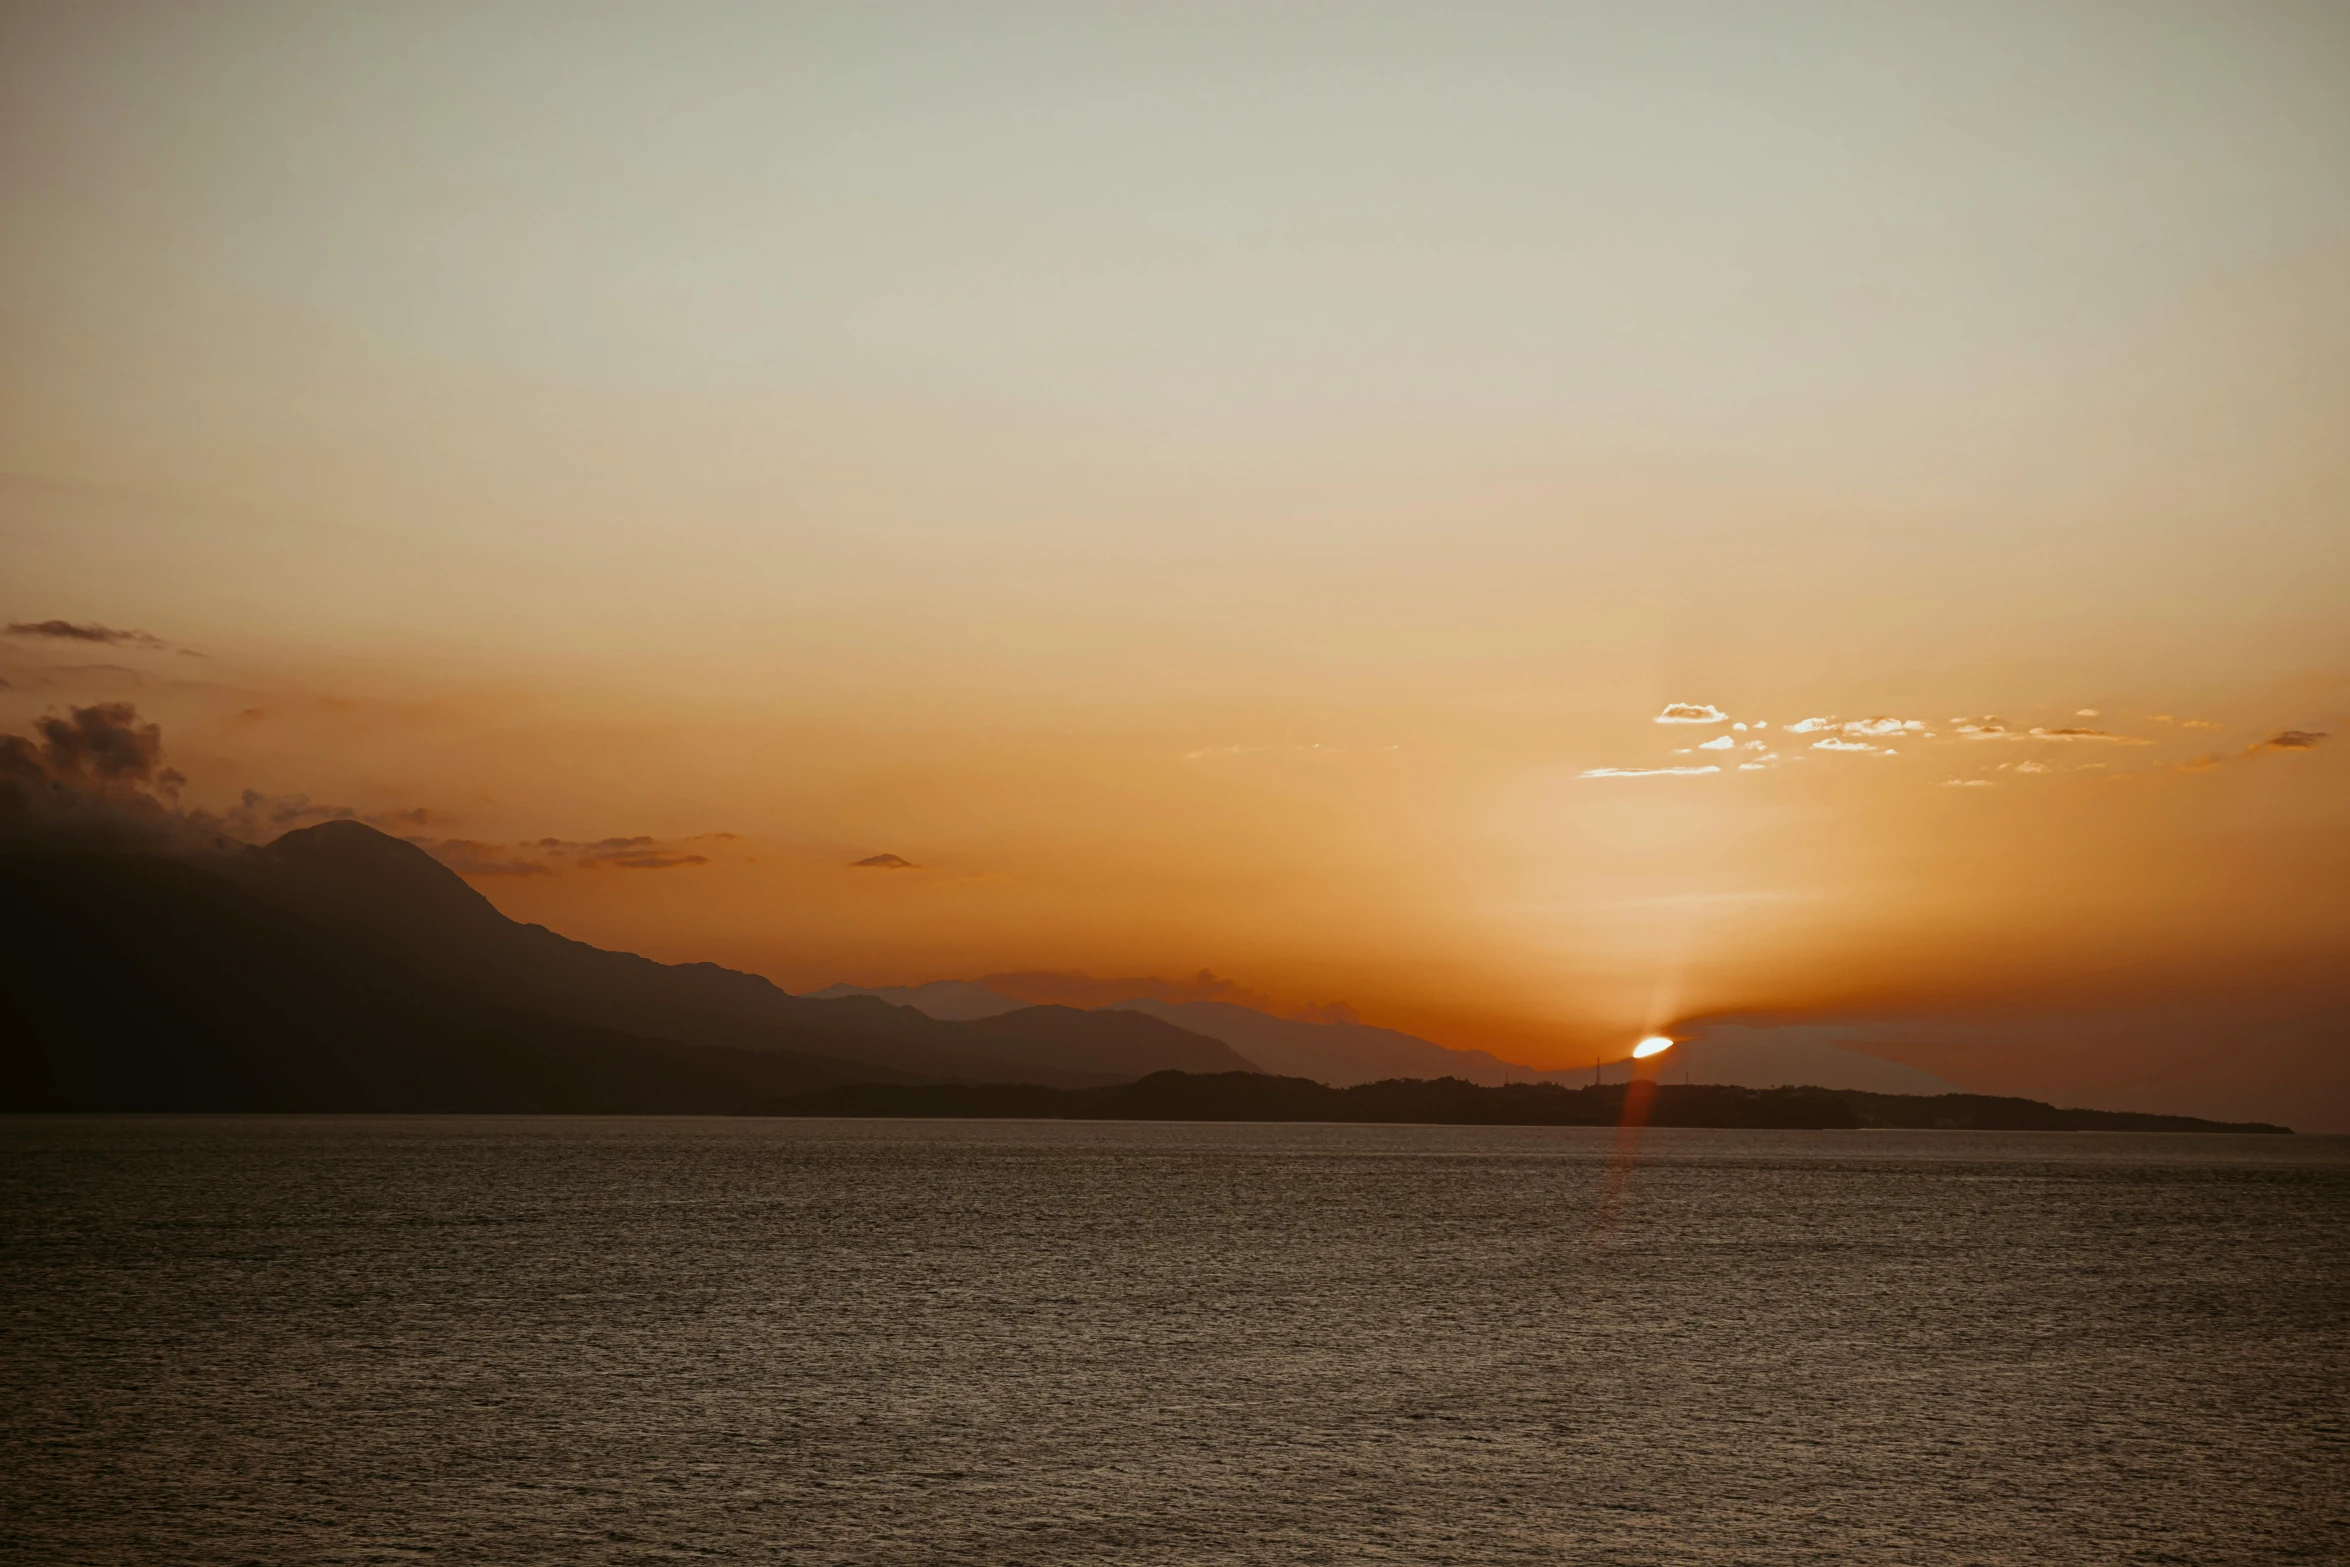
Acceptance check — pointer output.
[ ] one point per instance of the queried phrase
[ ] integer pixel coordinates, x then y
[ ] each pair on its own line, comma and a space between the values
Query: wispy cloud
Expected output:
2289, 741
2104, 736
91, 631
546, 856
884, 862
1646, 772
475, 857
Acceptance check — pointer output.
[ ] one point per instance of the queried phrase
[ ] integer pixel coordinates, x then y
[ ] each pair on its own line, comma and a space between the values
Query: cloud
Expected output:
1691, 713
884, 862
1967, 783
1645, 772
69, 631
1860, 729
1718, 743
1832, 743
92, 779
99, 745
2282, 740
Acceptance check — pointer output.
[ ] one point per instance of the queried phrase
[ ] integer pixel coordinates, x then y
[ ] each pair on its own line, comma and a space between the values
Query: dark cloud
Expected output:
653, 860
100, 745
91, 779
884, 862
69, 631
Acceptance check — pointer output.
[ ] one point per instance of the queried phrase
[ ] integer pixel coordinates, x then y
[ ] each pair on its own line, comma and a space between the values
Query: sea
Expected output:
493, 1340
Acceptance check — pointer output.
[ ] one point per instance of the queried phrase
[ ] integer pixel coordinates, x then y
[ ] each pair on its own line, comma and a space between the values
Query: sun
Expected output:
1653, 1045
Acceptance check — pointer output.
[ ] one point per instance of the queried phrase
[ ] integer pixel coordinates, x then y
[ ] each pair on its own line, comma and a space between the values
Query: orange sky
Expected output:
1211, 486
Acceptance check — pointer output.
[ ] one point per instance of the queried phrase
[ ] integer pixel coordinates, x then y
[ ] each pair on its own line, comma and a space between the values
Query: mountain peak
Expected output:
356, 862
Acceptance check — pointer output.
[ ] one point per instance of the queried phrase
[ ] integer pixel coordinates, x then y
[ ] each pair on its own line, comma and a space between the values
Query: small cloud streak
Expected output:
1988, 728
71, 631
884, 862
2105, 736
474, 857
1646, 772
547, 856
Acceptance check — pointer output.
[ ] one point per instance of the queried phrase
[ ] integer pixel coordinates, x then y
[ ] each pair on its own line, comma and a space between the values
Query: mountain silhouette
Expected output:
340, 968
1343, 1054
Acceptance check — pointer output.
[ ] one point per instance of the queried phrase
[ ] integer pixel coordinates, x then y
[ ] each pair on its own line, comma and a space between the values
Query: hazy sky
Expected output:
1208, 484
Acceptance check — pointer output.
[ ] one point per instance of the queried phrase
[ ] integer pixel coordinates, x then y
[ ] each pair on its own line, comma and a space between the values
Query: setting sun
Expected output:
1653, 1045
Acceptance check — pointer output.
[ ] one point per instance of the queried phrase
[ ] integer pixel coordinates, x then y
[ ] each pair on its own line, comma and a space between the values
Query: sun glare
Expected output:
1653, 1045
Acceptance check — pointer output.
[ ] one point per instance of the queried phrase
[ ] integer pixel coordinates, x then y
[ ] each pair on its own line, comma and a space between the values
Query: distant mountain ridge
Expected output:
339, 968
1234, 1096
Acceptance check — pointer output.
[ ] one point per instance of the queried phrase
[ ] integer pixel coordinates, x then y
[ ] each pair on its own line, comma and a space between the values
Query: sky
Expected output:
1228, 493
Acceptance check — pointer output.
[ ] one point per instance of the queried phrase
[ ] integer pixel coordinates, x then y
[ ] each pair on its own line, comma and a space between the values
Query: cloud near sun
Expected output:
1873, 736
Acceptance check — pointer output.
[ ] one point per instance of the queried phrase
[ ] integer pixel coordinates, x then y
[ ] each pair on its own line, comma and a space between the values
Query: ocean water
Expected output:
464, 1340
